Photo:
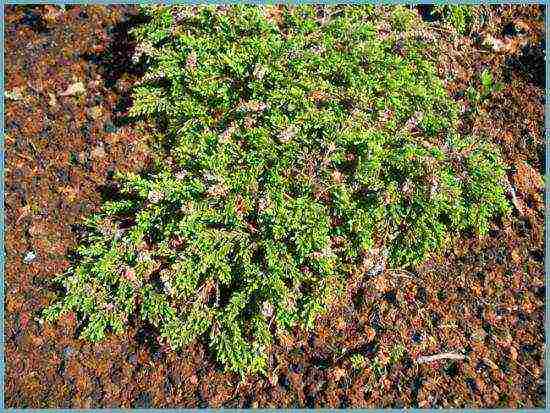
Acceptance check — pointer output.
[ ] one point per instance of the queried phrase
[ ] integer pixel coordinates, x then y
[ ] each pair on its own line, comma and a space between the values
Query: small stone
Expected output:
110, 128
254, 106
29, 257
119, 233
267, 309
68, 352
378, 269
98, 152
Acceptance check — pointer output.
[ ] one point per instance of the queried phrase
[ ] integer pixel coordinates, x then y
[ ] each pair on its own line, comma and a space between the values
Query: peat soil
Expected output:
68, 74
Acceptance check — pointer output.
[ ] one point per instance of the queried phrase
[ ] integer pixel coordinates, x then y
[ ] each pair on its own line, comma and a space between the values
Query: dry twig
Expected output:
441, 356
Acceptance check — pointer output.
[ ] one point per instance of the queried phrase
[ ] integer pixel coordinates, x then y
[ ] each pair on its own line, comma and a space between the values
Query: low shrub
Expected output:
294, 140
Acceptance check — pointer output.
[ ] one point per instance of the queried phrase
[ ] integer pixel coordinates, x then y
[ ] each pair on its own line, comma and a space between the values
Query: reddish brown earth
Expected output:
67, 77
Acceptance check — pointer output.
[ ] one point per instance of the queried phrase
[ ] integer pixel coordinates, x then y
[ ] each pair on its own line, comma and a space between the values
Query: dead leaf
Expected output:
23, 212
259, 72
52, 13
370, 333
380, 283
338, 373
191, 62
318, 96
491, 364
340, 324
528, 307
285, 339
274, 14
337, 176
23, 320
96, 112
287, 135
53, 99
249, 122
36, 228
385, 116
70, 193
527, 177
477, 290
522, 26
240, 207
76, 88
516, 257
513, 353
254, 106
226, 135
217, 190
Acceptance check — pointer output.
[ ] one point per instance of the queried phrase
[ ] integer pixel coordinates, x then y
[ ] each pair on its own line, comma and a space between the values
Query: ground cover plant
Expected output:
291, 145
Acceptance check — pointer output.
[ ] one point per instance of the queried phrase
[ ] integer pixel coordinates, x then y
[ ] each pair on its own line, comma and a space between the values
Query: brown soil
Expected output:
68, 74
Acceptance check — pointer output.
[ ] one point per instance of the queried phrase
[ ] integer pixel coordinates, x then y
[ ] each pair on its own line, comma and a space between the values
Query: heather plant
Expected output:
292, 142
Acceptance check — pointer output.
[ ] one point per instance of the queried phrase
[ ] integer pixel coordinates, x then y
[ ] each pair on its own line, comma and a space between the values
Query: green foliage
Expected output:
461, 17
487, 87
397, 354
358, 361
292, 145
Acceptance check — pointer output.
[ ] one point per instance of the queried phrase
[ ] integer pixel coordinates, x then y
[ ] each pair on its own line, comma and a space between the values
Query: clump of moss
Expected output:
294, 141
